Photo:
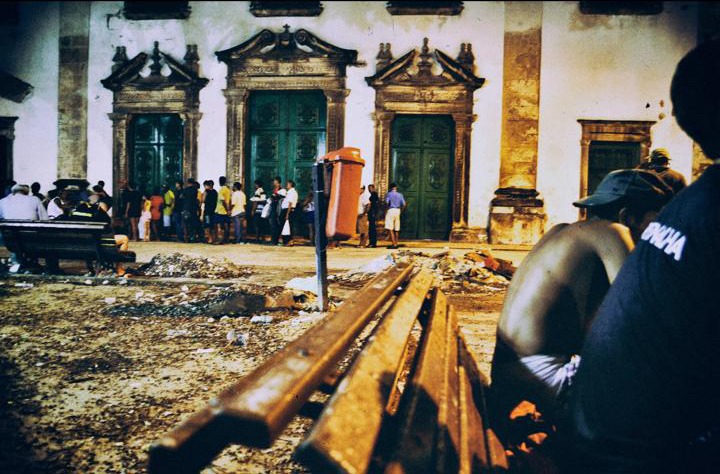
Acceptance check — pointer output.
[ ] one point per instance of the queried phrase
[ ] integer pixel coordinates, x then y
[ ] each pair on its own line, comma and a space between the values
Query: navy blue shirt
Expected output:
648, 386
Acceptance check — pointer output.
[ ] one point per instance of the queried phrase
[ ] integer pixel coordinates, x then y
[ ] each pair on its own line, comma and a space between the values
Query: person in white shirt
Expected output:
258, 201
21, 206
237, 211
287, 207
362, 217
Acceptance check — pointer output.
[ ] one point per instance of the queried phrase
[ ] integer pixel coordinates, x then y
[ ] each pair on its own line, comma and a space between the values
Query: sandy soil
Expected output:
88, 383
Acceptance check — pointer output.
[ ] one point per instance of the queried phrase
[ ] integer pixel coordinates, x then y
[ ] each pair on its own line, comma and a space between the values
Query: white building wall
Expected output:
593, 67
606, 67
30, 51
215, 26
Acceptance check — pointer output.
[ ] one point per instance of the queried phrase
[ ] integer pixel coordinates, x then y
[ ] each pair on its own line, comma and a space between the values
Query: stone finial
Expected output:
155, 67
384, 56
425, 65
466, 57
120, 57
191, 57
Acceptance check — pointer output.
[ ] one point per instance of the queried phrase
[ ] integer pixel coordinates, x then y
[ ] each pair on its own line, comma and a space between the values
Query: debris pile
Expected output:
472, 270
177, 265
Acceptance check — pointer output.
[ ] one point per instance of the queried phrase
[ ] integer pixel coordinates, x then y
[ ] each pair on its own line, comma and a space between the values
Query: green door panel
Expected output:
421, 166
157, 150
610, 156
287, 134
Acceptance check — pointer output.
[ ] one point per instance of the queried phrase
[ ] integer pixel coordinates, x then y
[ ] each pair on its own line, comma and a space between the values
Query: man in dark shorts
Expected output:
133, 208
210, 200
646, 392
190, 211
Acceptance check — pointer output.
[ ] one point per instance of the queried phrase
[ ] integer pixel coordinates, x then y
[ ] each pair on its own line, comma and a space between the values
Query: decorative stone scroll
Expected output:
286, 60
176, 93
409, 85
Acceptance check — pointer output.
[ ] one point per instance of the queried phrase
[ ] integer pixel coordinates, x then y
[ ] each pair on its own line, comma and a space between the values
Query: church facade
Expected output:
492, 117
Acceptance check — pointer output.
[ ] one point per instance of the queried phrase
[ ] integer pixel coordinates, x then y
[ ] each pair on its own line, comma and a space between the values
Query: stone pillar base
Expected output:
470, 235
517, 216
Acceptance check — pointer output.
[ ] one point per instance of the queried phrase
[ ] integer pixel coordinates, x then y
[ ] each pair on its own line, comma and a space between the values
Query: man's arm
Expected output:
614, 248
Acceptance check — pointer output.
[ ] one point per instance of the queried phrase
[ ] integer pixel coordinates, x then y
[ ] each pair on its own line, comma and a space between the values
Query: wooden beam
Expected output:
344, 438
255, 410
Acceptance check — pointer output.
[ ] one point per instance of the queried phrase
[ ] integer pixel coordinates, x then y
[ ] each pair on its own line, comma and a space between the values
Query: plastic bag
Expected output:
265, 211
286, 228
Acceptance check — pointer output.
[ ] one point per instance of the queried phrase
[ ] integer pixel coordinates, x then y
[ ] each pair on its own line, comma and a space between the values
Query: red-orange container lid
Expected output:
347, 154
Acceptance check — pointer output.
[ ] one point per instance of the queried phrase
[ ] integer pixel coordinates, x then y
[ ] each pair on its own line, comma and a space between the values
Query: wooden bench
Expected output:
411, 400
67, 240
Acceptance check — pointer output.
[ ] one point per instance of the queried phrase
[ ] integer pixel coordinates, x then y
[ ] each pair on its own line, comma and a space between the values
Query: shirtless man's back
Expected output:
559, 287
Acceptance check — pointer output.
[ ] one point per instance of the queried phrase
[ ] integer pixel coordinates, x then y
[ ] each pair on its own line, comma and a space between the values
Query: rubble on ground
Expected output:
474, 269
478, 268
177, 265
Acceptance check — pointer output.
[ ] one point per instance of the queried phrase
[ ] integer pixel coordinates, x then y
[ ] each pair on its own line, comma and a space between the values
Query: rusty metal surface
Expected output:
425, 411
256, 409
344, 438
473, 446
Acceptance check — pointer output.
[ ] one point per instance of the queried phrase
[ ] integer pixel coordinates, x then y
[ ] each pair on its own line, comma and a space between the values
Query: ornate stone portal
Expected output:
408, 85
282, 61
134, 94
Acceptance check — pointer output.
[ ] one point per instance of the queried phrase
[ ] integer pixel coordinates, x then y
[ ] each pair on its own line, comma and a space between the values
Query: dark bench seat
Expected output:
411, 401
62, 240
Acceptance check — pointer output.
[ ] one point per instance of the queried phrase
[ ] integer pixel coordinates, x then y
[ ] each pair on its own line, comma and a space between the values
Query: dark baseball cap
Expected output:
627, 183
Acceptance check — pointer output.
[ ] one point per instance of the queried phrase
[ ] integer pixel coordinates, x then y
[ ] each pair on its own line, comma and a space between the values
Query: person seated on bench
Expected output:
559, 286
646, 394
62, 204
22, 206
96, 211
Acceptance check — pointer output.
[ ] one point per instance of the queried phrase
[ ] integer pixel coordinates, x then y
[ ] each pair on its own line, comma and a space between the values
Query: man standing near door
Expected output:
222, 210
395, 205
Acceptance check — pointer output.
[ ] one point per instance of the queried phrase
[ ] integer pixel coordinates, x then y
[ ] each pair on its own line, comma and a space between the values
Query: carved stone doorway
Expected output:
176, 94
285, 61
428, 83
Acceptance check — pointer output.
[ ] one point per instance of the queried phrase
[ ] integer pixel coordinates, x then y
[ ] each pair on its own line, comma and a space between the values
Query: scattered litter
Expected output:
24, 285
110, 300
261, 319
308, 284
177, 332
307, 318
105, 282
139, 294
122, 281
177, 265
205, 351
236, 338
39, 364
210, 320
88, 282
184, 288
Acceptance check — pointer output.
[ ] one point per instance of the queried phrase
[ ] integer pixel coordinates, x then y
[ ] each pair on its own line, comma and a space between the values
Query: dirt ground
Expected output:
92, 371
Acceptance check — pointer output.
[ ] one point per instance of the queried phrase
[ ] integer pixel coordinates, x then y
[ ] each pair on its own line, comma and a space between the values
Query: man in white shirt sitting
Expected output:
22, 206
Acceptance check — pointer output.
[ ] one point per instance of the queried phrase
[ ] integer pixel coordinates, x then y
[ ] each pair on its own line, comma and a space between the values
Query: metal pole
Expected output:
318, 177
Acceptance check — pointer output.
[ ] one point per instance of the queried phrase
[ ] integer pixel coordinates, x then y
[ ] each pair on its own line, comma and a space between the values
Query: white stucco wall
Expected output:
605, 67
215, 26
30, 52
593, 67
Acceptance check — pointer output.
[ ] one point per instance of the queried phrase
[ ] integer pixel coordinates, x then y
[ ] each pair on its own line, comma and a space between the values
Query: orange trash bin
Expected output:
344, 192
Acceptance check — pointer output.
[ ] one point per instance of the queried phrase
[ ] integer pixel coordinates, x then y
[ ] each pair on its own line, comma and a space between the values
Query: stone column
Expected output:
383, 126
190, 139
121, 163
236, 124
461, 181
72, 89
335, 118
516, 214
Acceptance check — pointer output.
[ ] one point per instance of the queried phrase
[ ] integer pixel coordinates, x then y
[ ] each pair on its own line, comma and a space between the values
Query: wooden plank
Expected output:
473, 446
344, 438
448, 455
255, 410
424, 410
496, 459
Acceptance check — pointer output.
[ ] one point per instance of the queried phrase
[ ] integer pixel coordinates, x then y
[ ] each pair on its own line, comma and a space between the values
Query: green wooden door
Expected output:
156, 156
286, 136
610, 156
422, 157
